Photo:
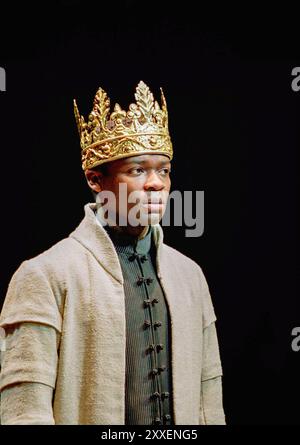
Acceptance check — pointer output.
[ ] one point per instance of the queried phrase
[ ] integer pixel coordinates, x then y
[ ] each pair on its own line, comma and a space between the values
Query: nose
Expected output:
154, 182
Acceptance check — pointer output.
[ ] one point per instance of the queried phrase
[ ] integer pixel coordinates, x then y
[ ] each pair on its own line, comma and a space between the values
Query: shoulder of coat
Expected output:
172, 254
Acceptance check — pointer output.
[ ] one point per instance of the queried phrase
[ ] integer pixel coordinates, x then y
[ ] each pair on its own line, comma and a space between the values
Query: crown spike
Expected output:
77, 116
101, 106
164, 105
163, 99
144, 99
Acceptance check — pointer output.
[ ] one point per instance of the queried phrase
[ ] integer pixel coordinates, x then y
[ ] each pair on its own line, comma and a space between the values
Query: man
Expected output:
110, 325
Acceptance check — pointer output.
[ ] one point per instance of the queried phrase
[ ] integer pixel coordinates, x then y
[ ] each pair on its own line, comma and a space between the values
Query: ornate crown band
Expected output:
143, 129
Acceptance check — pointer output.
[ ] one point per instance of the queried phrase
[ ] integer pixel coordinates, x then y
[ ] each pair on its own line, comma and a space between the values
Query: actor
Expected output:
110, 325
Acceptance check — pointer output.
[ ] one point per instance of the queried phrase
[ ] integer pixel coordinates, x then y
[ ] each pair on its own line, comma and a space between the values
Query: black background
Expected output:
234, 121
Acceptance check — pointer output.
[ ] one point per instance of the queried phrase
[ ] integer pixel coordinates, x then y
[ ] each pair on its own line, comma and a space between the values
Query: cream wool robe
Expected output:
72, 295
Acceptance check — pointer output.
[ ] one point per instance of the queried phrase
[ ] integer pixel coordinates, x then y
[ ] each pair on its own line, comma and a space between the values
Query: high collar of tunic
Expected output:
126, 243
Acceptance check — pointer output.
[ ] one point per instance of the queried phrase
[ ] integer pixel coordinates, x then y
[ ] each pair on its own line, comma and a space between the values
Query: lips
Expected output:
155, 201
153, 207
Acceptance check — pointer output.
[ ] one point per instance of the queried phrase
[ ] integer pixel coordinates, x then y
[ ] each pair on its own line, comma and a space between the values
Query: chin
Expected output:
143, 217
150, 219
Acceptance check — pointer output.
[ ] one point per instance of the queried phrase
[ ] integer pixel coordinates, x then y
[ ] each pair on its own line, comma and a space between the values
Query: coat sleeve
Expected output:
28, 374
211, 409
27, 404
31, 319
33, 295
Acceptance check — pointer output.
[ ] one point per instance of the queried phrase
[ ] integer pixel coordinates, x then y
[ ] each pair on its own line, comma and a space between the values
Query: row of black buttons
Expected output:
159, 347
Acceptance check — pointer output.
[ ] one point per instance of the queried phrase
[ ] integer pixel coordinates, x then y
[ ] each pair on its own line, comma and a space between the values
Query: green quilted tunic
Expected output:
148, 392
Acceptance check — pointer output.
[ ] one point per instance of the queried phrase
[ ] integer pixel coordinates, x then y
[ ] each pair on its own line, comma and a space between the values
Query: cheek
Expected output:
123, 187
134, 184
113, 185
167, 183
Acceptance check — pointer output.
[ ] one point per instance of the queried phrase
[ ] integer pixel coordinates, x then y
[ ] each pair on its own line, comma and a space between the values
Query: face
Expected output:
144, 178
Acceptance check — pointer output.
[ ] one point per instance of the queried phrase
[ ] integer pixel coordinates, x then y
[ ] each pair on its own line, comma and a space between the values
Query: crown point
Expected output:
163, 99
142, 85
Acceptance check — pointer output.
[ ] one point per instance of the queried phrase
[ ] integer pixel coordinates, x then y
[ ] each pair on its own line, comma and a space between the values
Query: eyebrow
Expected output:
130, 161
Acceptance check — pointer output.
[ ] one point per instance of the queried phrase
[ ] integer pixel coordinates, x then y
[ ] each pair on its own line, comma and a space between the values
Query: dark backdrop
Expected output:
234, 122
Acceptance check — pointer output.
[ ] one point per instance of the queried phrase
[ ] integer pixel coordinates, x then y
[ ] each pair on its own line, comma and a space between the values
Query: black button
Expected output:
155, 300
147, 303
154, 371
157, 421
144, 258
159, 347
147, 324
157, 324
167, 417
165, 395
133, 257
149, 280
140, 281
155, 395
151, 348
162, 368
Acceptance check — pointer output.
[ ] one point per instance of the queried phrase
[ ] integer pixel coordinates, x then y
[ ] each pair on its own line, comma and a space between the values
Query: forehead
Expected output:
151, 159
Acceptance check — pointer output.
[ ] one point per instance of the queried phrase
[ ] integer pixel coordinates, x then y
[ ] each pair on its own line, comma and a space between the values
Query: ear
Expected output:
94, 180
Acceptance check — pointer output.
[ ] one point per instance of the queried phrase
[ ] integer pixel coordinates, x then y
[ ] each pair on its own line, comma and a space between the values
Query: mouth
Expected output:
153, 207
155, 200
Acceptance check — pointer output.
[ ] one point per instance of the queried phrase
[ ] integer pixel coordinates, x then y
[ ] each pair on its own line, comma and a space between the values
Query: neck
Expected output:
137, 232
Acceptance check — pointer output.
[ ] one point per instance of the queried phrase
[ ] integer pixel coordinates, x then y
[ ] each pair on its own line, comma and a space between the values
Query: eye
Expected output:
165, 171
136, 170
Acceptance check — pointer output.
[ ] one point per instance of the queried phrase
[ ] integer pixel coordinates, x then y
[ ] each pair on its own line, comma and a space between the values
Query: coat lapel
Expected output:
94, 238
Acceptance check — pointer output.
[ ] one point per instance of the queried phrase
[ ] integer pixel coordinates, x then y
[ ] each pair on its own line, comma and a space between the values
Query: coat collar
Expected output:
90, 234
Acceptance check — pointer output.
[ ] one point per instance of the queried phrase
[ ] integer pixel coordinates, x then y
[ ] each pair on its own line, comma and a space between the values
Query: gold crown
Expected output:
142, 129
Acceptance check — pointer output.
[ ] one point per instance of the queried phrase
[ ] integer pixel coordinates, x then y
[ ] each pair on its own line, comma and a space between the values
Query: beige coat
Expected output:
73, 293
